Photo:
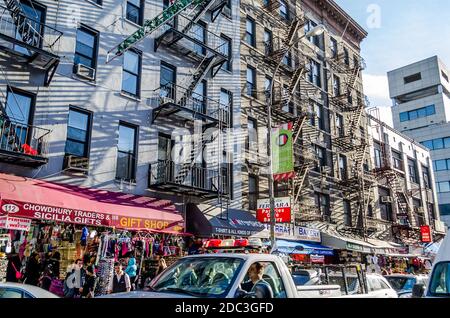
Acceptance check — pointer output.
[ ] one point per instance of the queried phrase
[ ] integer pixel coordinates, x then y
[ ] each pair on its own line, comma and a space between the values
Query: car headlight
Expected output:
407, 295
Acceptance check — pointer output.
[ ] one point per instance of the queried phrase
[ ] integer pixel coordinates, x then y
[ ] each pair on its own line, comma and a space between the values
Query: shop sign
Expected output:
354, 247
425, 234
317, 259
13, 223
282, 153
232, 232
307, 234
282, 210
57, 214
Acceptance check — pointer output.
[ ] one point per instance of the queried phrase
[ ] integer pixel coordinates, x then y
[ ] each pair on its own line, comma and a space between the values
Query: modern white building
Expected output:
421, 110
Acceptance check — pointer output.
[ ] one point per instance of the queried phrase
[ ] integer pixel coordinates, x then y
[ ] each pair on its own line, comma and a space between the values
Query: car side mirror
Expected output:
418, 291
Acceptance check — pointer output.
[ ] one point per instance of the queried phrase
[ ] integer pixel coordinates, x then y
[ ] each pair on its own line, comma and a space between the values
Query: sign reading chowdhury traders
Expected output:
90, 218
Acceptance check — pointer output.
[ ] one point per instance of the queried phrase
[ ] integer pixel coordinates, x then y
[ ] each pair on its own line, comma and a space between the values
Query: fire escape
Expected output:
28, 43
351, 141
185, 36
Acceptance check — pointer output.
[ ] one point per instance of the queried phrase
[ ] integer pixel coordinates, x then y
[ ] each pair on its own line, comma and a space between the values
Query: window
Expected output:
323, 203
444, 76
426, 177
252, 192
164, 147
287, 59
37, 13
412, 78
126, 153
10, 293
336, 85
412, 169
346, 57
442, 165
349, 96
250, 32
437, 144
320, 157
284, 11
378, 157
198, 32
340, 125
135, 11
167, 81
397, 159
268, 38
226, 49
318, 118
267, 84
342, 167
385, 207
272, 277
347, 213
199, 97
316, 40
86, 47
252, 135
19, 109
131, 76
443, 187
78, 133
314, 73
418, 113
226, 100
334, 47
251, 81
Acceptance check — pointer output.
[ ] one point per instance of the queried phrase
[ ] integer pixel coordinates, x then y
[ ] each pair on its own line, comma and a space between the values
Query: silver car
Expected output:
16, 290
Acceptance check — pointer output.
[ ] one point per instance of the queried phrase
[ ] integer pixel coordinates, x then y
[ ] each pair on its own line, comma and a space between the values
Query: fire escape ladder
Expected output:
197, 77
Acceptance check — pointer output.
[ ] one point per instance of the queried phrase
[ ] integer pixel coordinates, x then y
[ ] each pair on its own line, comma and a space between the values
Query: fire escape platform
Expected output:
22, 159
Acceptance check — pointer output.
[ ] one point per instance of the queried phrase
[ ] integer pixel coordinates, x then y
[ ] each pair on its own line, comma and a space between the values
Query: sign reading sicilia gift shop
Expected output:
282, 153
57, 214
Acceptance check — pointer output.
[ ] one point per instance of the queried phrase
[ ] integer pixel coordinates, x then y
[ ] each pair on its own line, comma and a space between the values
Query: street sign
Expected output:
150, 26
282, 210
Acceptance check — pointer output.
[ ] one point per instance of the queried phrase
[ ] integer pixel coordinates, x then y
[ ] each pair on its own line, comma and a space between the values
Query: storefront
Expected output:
349, 250
97, 226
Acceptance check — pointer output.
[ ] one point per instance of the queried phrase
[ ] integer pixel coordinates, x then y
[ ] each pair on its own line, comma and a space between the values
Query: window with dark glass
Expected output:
267, 84
252, 192
86, 47
268, 38
377, 155
167, 81
418, 113
164, 147
346, 57
412, 78
78, 133
347, 213
251, 81
334, 47
340, 125
314, 73
397, 159
226, 49
284, 11
287, 59
19, 109
323, 203
317, 40
336, 85
199, 97
385, 207
412, 169
131, 76
126, 152
426, 177
349, 96
36, 14
250, 32
198, 32
342, 167
252, 127
135, 11
320, 157
226, 100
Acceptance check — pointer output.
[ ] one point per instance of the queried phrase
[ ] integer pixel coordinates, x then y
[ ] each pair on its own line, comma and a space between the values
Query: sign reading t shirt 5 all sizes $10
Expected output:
282, 210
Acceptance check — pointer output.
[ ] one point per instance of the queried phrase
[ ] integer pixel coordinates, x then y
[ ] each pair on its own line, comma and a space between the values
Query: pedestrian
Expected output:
55, 261
87, 291
46, 279
13, 269
161, 266
32, 271
120, 282
74, 279
131, 269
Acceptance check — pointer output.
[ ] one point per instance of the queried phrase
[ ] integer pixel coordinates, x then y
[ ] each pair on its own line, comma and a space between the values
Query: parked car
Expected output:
438, 285
16, 290
403, 284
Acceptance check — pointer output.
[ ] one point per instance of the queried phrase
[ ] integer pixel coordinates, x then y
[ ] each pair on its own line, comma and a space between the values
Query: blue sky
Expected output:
409, 30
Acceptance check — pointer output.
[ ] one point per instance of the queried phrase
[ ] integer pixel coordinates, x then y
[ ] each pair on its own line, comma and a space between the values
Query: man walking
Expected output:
120, 282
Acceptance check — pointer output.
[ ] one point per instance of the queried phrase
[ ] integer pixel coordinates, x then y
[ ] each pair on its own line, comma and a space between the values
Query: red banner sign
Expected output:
425, 234
12, 223
50, 213
282, 210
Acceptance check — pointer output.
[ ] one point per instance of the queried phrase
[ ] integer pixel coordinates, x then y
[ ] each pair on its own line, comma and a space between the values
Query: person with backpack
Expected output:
46, 280
32, 271
74, 279
87, 291
131, 269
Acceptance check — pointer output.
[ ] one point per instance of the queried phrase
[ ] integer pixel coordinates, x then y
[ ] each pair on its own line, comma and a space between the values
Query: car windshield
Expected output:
402, 284
440, 280
199, 276
352, 282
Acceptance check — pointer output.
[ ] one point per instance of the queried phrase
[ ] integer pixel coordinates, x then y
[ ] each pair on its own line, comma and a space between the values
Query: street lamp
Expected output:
314, 32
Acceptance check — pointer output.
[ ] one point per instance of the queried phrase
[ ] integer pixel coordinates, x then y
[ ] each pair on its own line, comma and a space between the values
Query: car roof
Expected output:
33, 290
402, 276
269, 257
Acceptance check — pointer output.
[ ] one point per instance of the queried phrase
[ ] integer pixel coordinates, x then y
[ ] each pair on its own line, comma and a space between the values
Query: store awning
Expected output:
300, 247
346, 243
43, 200
205, 220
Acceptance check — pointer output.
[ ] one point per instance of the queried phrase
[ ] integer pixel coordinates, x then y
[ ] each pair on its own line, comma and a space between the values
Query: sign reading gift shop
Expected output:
13, 223
425, 234
57, 214
282, 210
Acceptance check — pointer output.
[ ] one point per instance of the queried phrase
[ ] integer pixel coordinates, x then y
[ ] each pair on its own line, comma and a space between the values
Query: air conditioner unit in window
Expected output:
84, 71
386, 199
76, 164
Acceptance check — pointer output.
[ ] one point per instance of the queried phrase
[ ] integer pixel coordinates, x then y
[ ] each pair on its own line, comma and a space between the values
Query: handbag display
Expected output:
18, 274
